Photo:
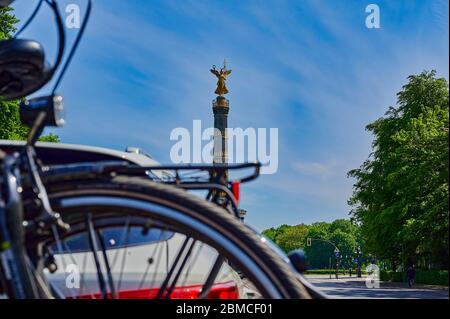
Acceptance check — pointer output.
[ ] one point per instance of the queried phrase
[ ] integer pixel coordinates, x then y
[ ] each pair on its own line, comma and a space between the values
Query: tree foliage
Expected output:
401, 191
10, 126
342, 233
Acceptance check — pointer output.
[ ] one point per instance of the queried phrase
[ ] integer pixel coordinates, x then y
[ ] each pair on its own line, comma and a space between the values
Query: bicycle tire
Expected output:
282, 276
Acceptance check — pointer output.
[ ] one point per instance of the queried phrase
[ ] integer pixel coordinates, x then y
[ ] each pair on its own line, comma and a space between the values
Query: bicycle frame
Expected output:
22, 281
12, 235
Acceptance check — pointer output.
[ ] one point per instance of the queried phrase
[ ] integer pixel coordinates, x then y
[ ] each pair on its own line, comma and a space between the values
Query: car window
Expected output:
116, 237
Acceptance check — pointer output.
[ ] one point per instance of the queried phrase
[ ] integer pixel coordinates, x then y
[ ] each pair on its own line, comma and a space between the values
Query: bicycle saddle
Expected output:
23, 69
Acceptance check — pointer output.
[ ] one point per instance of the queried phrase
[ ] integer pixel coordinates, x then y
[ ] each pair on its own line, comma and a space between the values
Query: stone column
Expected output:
220, 110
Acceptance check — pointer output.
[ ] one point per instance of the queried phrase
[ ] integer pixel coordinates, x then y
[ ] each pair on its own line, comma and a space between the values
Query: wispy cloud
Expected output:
313, 169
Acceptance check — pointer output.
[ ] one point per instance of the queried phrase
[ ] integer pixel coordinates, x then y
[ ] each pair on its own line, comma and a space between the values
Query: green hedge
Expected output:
427, 277
389, 275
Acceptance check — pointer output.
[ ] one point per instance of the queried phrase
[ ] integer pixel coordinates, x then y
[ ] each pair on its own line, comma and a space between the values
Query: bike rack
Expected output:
215, 171
212, 177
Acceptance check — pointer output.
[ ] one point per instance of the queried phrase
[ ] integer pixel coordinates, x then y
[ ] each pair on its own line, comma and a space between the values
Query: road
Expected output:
355, 288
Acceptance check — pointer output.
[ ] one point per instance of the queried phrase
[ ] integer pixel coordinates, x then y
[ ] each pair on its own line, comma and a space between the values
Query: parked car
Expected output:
139, 263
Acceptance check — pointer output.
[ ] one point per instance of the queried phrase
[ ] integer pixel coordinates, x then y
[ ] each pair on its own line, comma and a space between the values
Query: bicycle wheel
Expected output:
216, 255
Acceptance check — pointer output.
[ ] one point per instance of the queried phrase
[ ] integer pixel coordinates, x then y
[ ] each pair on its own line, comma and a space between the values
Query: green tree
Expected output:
401, 191
293, 237
10, 126
274, 232
320, 252
281, 235
343, 233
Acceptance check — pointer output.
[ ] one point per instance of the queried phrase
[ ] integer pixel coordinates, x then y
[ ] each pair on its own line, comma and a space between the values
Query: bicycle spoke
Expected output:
125, 252
124, 234
192, 263
39, 285
180, 269
147, 268
167, 256
212, 277
94, 249
151, 258
83, 274
108, 269
59, 247
155, 273
172, 269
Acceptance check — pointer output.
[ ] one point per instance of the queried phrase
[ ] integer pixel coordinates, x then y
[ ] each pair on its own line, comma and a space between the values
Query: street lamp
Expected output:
358, 261
337, 253
344, 262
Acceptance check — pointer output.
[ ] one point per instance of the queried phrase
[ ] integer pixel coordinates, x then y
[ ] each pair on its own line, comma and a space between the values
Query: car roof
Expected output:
60, 153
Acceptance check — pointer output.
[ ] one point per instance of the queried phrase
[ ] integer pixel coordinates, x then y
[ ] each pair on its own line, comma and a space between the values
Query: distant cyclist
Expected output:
410, 275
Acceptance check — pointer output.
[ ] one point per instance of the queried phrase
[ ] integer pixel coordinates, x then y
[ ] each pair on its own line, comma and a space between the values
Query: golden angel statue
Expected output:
221, 77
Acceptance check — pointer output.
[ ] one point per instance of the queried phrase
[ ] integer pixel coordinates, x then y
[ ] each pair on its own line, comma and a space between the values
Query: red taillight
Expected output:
226, 290
235, 188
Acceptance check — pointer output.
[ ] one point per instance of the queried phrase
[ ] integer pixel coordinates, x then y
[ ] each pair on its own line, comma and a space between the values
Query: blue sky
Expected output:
309, 68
